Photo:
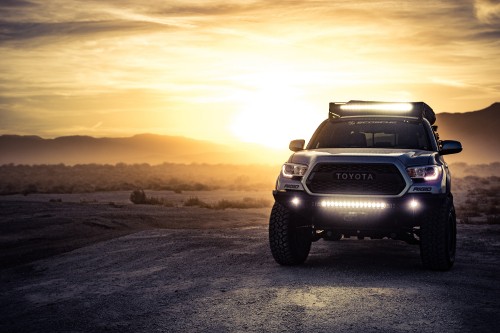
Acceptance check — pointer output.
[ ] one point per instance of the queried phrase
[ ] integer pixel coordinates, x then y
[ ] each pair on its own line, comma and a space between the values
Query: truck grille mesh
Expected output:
355, 179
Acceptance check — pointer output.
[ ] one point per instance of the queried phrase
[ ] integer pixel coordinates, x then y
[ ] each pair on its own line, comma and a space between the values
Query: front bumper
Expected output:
365, 215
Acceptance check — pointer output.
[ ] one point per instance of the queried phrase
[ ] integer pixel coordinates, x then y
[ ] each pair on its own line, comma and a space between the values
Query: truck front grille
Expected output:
355, 179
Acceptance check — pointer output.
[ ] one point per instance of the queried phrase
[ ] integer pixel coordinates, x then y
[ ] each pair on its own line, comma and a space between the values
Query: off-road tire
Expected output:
290, 245
438, 237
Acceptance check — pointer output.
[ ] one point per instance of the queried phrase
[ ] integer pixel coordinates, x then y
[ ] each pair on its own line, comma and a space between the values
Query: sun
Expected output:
273, 114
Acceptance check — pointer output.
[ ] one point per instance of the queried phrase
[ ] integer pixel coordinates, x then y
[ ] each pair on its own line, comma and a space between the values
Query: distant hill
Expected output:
142, 148
478, 131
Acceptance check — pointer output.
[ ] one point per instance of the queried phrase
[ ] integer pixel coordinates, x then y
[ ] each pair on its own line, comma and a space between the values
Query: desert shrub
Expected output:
472, 179
485, 181
31, 188
490, 192
195, 201
200, 187
167, 203
493, 219
471, 212
245, 203
153, 201
84, 178
159, 202
8, 188
138, 197
492, 209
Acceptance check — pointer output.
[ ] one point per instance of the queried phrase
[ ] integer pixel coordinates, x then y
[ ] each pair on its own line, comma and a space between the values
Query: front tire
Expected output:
438, 238
290, 244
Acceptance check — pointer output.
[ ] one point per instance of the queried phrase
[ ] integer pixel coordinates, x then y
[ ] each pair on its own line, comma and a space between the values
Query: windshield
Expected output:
403, 134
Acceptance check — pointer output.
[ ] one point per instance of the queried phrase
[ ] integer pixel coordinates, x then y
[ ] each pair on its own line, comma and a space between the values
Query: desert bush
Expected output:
86, 178
195, 201
30, 188
245, 203
490, 192
159, 201
167, 203
493, 219
492, 209
8, 188
138, 197
469, 212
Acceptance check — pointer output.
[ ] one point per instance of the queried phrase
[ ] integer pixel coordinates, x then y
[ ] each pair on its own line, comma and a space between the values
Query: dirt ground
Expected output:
97, 263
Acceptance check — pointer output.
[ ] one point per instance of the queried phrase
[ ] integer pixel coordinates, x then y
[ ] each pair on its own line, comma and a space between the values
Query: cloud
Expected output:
12, 31
488, 11
71, 63
487, 35
15, 4
206, 9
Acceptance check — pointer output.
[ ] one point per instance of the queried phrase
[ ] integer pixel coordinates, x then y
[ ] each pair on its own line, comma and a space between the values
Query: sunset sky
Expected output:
259, 71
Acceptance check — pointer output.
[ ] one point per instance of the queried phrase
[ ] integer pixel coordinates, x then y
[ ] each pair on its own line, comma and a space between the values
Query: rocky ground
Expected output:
97, 263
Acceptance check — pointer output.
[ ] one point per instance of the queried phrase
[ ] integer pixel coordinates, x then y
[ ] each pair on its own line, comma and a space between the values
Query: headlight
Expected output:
290, 170
426, 172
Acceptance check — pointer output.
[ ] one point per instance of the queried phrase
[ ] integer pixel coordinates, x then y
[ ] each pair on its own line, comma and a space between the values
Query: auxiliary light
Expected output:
295, 201
343, 204
378, 107
369, 108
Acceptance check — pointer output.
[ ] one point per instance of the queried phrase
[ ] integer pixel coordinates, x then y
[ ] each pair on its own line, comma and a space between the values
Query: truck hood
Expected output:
406, 157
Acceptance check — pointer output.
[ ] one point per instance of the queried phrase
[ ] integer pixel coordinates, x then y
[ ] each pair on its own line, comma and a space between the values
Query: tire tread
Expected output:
282, 240
433, 246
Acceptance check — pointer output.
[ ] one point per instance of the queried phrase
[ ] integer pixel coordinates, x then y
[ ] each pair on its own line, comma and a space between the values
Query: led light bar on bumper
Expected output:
346, 204
291, 170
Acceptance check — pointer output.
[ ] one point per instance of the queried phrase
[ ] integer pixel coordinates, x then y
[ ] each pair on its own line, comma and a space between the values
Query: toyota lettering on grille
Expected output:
362, 176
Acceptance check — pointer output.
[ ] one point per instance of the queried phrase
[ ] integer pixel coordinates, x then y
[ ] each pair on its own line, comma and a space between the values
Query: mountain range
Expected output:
141, 148
479, 132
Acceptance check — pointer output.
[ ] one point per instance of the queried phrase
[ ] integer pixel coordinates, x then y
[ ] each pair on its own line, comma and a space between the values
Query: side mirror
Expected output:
296, 145
450, 147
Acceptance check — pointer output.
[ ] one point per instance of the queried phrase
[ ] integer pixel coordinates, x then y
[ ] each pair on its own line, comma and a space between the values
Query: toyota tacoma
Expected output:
371, 170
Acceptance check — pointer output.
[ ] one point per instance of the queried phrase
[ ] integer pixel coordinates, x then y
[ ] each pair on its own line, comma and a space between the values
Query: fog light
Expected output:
414, 204
295, 201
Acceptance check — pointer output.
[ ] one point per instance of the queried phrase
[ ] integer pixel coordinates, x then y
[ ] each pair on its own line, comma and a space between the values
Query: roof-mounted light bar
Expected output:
389, 107
359, 108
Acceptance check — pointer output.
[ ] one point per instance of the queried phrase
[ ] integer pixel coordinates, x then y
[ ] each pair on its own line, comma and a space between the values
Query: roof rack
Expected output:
364, 108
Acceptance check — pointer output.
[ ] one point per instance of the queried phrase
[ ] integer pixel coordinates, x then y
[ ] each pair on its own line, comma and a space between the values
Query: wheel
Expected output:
290, 244
438, 238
